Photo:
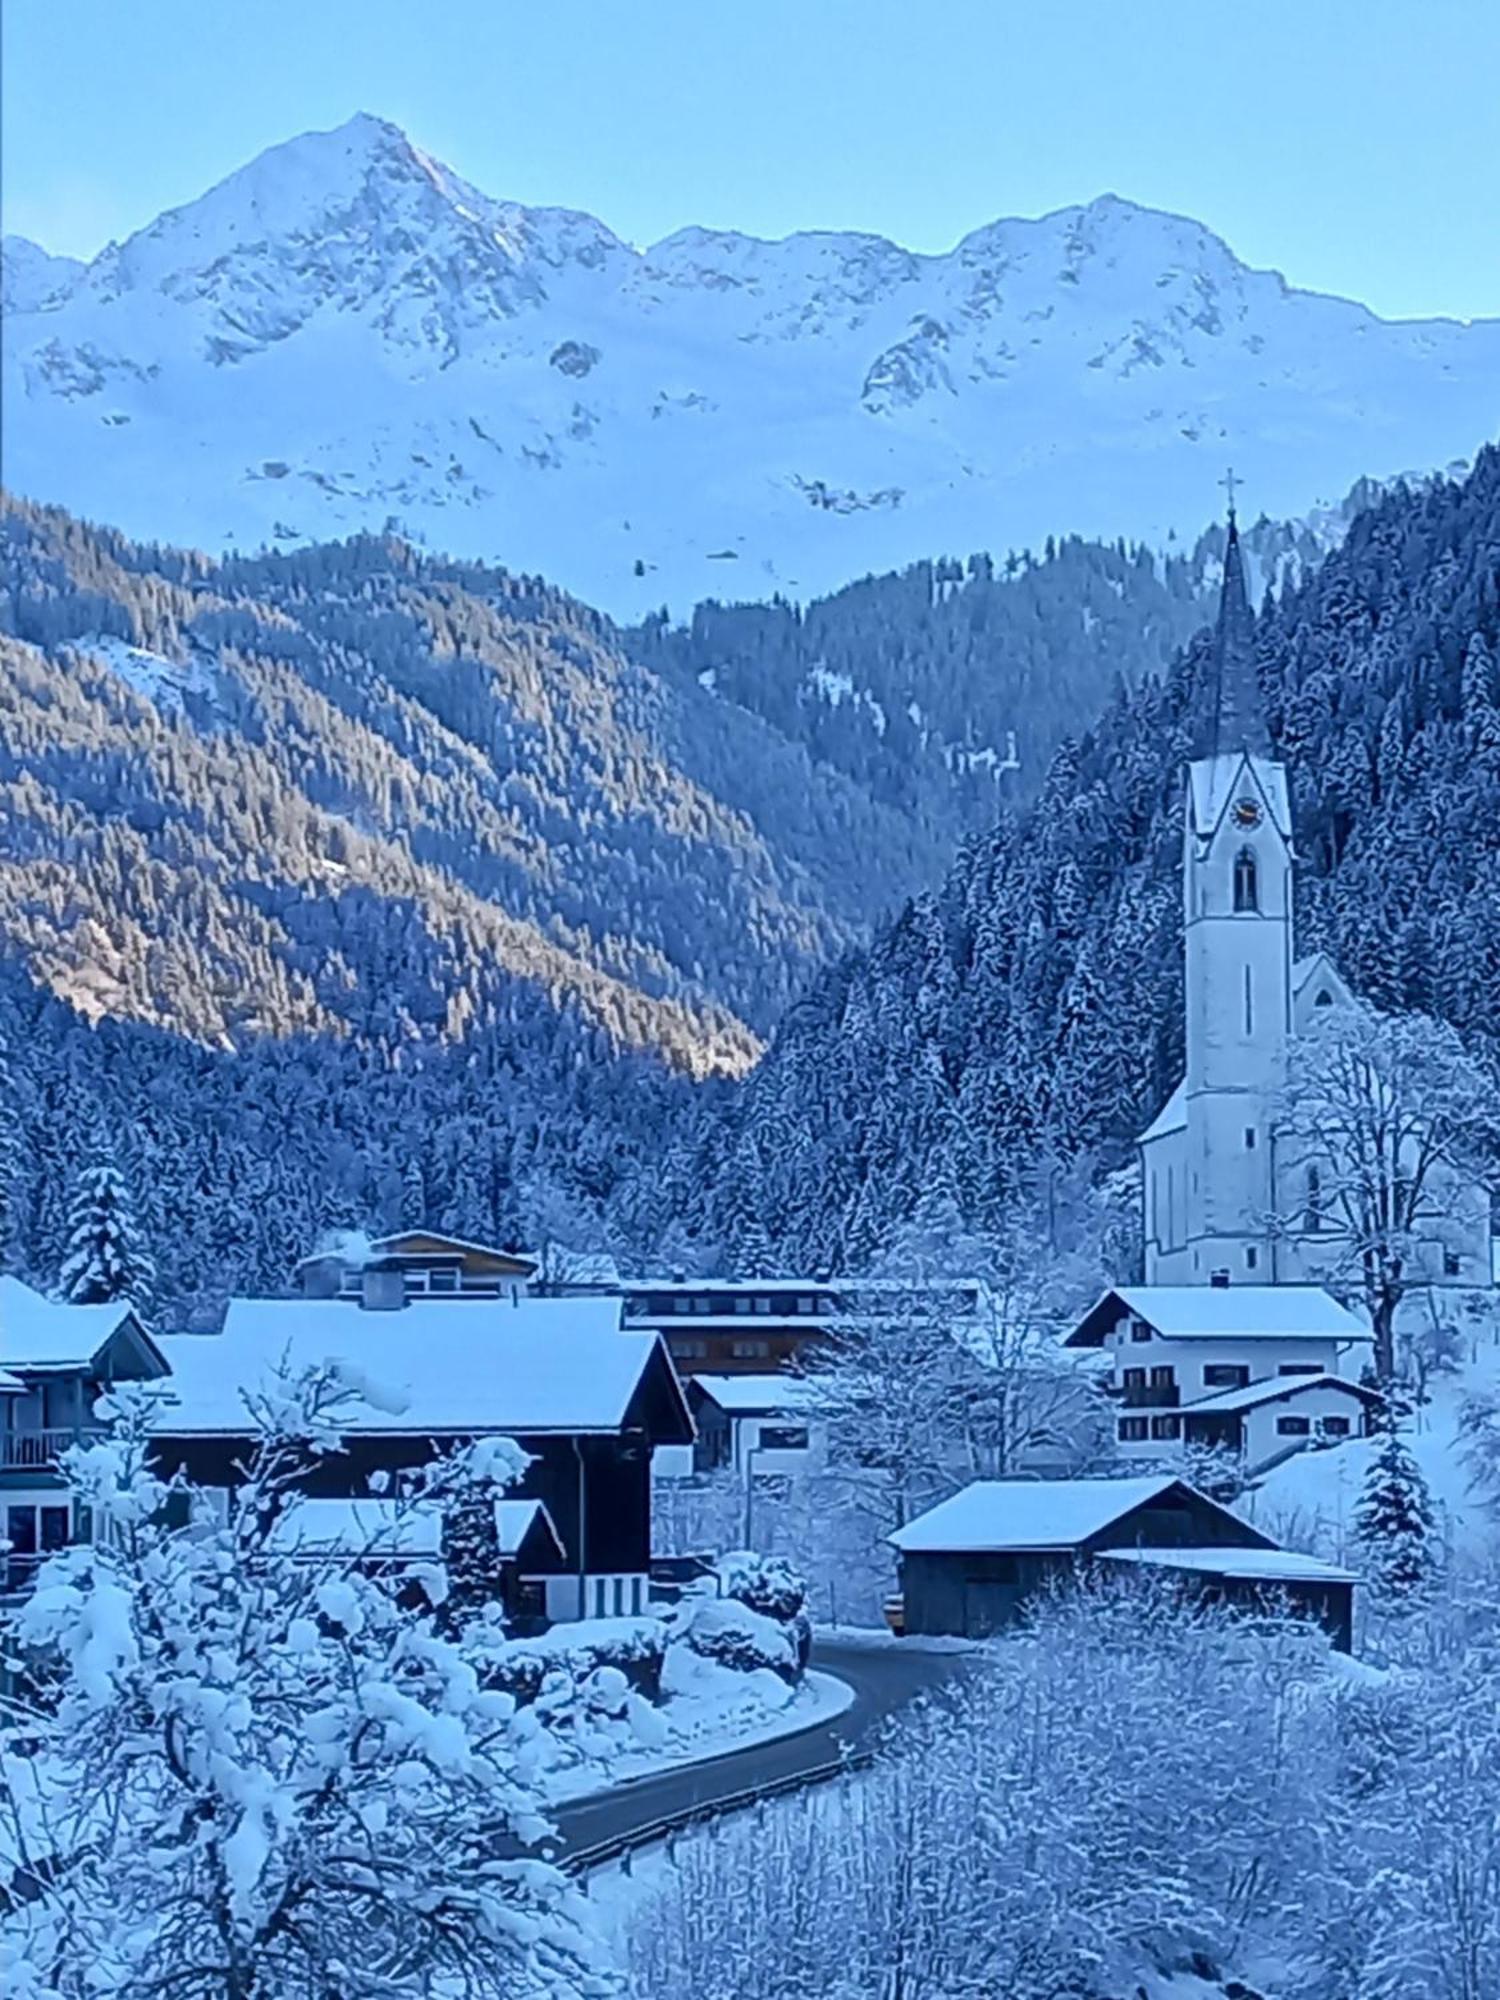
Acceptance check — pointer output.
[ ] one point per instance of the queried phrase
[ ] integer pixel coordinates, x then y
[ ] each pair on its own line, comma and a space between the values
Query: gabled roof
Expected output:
38, 1333
1002, 1514
1255, 1565
754, 1395
435, 1368
1275, 1389
1171, 1118
1223, 1312
353, 1248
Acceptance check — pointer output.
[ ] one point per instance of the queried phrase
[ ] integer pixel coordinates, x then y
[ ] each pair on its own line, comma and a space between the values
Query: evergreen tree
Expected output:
1394, 1526
105, 1258
471, 1554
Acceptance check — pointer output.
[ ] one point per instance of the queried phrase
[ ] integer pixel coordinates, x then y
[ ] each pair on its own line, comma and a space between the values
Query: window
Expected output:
1301, 1368
1334, 1427
1155, 1216
1452, 1263
1322, 998
442, 1281
619, 1596
1294, 1427
599, 1597
1139, 1330
1246, 897
783, 1437
1249, 1005
749, 1350
635, 1594
742, 1305
1164, 1378
1225, 1375
1312, 1211
1252, 1256
1249, 1138
1135, 1378
1133, 1430
685, 1303
762, 1305
1166, 1427
689, 1350
807, 1305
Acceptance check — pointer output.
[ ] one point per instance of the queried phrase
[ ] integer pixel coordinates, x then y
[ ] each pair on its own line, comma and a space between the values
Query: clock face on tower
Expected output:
1246, 812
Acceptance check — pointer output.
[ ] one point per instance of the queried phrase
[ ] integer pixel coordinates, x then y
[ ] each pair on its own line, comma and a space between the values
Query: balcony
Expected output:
1149, 1396
35, 1450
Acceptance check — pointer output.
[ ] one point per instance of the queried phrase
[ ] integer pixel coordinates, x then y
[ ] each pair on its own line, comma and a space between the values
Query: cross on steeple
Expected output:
1229, 483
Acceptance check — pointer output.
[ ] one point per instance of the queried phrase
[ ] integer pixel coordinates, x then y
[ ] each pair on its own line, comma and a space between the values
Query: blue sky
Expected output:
1348, 145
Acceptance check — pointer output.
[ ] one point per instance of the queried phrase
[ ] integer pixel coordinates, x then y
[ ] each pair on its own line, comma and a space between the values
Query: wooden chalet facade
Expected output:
55, 1362
760, 1326
588, 1403
384, 1271
975, 1564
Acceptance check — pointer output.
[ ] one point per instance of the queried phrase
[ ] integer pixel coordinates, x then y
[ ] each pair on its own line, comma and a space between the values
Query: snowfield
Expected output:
345, 335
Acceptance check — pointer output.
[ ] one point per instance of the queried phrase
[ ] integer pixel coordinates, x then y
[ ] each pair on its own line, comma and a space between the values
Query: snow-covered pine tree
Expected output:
1395, 1528
10, 1157
471, 1554
105, 1258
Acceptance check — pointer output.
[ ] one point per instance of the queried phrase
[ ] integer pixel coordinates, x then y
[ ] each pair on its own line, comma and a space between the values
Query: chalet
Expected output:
751, 1424
757, 1326
55, 1361
385, 1271
589, 1402
973, 1565
1257, 1369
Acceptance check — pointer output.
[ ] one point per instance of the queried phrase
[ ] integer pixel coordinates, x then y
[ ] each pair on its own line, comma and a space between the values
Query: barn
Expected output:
973, 1565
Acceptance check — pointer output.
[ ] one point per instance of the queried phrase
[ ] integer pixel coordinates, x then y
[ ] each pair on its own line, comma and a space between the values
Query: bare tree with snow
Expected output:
262, 1777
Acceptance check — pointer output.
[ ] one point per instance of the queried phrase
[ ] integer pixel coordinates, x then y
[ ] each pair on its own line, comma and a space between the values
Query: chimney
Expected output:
1219, 1280
382, 1289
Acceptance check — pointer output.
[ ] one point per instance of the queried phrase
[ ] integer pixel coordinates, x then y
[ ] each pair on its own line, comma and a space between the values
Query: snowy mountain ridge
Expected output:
345, 333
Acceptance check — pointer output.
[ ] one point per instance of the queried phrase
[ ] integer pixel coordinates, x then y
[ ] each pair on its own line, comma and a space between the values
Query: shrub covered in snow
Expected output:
732, 1635
262, 1777
774, 1588
632, 1647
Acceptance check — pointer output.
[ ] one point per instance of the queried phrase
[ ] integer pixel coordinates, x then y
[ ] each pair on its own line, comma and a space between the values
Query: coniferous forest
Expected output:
352, 886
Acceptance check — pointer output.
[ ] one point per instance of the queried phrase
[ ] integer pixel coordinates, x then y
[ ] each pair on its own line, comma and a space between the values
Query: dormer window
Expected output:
1246, 889
1323, 998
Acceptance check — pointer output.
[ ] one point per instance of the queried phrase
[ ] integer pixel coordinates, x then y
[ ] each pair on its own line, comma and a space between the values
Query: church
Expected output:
1218, 1204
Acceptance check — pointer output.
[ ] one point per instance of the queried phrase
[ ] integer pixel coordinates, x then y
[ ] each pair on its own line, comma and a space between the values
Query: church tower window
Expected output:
1249, 1004
1246, 888
1323, 997
1312, 1215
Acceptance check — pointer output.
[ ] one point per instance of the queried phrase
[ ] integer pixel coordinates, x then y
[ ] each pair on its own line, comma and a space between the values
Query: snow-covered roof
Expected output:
375, 1526
434, 1366
755, 1395
11, 1385
1026, 1514
352, 1247
1171, 1118
37, 1332
1268, 1565
1278, 1388
1223, 1312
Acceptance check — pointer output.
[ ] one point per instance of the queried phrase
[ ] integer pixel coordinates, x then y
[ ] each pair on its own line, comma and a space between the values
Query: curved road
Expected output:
884, 1679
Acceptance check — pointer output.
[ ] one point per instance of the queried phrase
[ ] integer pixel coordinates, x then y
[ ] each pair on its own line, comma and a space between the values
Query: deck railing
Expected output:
35, 1450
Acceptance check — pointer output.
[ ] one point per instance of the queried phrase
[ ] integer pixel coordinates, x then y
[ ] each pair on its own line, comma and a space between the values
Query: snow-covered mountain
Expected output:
345, 333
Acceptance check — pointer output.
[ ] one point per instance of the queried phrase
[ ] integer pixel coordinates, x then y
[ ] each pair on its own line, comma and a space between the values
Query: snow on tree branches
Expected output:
105, 1258
259, 1777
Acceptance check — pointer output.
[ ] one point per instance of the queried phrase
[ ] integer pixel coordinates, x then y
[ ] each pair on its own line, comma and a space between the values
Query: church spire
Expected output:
1239, 720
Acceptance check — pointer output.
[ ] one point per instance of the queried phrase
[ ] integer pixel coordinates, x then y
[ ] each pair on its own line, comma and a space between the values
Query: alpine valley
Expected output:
346, 336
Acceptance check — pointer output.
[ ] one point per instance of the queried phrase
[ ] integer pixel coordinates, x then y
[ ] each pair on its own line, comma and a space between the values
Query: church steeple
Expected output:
1239, 720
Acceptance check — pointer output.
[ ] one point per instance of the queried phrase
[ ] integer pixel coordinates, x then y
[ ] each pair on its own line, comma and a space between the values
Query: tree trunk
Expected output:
1383, 1325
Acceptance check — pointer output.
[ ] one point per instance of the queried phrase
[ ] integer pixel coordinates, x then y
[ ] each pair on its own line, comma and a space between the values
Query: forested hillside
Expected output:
355, 887
1018, 1025
927, 685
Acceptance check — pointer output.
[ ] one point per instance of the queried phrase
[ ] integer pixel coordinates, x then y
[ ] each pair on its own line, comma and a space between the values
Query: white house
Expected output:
1259, 1369
754, 1424
1213, 1186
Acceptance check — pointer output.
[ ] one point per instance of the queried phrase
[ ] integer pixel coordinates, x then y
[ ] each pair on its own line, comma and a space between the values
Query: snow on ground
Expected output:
1308, 1501
709, 1711
161, 680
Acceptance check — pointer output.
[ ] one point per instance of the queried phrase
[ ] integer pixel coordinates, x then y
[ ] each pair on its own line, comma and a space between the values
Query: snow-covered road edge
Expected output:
821, 1698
